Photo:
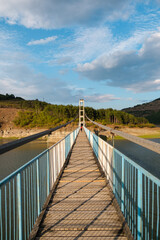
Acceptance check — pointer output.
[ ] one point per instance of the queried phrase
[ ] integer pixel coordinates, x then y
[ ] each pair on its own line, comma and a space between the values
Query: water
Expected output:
12, 160
145, 158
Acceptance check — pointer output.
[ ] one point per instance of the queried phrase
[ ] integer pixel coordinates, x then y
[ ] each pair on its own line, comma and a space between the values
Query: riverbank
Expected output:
17, 133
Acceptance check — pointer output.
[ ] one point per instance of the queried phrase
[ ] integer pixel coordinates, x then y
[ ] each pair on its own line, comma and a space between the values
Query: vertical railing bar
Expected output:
34, 192
118, 180
40, 180
38, 196
148, 204
122, 204
113, 172
117, 174
24, 203
31, 196
54, 162
128, 195
157, 233
132, 200
1, 215
29, 202
126, 191
6, 218
27, 207
19, 206
48, 177
9, 195
152, 209
139, 213
14, 210
135, 198
145, 213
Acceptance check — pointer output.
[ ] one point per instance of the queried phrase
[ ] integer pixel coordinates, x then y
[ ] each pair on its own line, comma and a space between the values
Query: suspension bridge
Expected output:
80, 188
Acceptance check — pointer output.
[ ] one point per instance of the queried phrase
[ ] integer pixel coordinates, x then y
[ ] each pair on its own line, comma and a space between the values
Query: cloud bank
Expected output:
60, 13
136, 70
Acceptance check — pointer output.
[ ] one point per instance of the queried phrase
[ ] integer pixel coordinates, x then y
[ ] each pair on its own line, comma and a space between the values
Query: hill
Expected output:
35, 113
150, 111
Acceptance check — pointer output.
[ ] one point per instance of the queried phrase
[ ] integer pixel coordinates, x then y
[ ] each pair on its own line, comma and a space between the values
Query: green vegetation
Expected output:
150, 110
35, 113
111, 116
9, 97
150, 136
49, 116
154, 117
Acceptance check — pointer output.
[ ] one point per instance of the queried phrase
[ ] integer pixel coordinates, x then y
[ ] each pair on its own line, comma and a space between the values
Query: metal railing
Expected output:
136, 190
24, 192
140, 141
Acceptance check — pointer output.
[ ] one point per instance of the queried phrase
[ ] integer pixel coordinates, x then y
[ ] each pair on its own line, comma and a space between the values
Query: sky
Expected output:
106, 52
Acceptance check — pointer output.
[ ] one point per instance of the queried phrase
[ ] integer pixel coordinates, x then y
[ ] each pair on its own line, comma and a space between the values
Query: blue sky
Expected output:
107, 52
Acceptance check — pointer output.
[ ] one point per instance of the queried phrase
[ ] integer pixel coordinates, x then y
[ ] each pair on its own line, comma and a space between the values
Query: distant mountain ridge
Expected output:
150, 110
9, 97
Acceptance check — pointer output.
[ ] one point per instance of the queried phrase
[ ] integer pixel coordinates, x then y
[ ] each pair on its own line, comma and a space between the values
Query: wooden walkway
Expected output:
82, 207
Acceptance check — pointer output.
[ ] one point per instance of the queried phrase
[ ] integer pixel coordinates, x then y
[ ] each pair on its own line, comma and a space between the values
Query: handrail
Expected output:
13, 174
136, 190
24, 192
17, 143
155, 147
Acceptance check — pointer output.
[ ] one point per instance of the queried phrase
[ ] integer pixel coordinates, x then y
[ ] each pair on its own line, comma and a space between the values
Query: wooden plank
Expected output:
82, 207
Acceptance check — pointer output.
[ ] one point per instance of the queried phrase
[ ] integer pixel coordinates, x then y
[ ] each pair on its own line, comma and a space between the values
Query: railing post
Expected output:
140, 209
157, 233
1, 215
113, 166
38, 195
122, 196
48, 175
54, 164
19, 206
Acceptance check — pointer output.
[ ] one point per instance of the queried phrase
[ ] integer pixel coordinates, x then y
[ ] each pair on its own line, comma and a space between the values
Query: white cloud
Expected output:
59, 13
18, 76
146, 86
42, 41
9, 85
136, 70
85, 44
100, 98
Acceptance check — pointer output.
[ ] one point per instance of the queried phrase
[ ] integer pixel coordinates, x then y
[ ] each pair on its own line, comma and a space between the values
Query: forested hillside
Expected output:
35, 113
150, 111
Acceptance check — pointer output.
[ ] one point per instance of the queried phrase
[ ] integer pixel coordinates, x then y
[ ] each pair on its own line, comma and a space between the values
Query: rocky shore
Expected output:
20, 133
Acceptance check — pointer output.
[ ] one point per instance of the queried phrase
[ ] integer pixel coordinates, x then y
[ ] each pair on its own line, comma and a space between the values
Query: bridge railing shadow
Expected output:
136, 190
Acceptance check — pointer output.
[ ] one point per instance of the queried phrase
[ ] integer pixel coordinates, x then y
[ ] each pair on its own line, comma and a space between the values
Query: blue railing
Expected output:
136, 190
24, 192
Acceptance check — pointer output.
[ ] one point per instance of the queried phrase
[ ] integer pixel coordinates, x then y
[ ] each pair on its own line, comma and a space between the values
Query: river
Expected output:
14, 159
142, 156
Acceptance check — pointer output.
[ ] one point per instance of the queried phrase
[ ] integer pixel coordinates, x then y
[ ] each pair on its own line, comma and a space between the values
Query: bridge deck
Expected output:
82, 207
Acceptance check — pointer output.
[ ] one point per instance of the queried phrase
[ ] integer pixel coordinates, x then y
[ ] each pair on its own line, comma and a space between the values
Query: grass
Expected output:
12, 138
141, 136
150, 136
118, 137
